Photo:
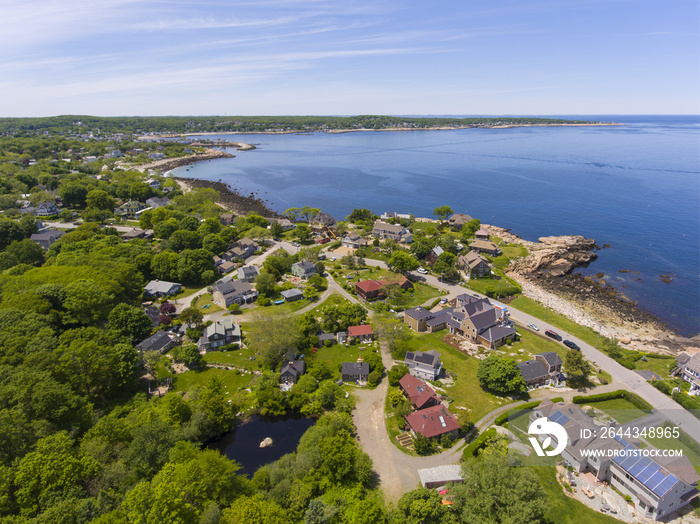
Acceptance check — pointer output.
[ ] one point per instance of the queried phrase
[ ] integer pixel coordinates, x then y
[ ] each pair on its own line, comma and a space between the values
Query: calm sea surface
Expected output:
635, 187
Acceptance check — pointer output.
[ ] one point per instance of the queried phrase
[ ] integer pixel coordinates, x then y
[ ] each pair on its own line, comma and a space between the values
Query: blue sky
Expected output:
268, 57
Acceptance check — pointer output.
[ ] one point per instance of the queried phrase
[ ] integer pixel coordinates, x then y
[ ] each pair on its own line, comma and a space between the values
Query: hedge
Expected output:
503, 417
478, 443
632, 398
689, 403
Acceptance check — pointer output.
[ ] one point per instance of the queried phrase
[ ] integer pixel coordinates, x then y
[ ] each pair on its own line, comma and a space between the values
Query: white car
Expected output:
533, 326
422, 271
443, 301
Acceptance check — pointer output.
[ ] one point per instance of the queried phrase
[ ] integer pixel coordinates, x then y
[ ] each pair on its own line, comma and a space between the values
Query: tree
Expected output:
189, 223
496, 491
165, 229
275, 229
191, 356
421, 247
141, 191
374, 378
191, 317
577, 368
85, 302
302, 232
214, 244
98, 199
73, 194
164, 265
360, 215
443, 212
423, 445
339, 318
396, 373
130, 322
26, 252
266, 284
9, 232
292, 213
276, 337
192, 264
501, 375
470, 228
402, 262
421, 506
444, 262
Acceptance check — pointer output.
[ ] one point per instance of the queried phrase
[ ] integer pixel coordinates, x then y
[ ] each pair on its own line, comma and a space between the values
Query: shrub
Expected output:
229, 347
264, 301
423, 446
478, 443
374, 378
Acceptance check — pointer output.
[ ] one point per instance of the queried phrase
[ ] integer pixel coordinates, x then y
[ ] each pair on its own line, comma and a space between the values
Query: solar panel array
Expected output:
644, 469
559, 418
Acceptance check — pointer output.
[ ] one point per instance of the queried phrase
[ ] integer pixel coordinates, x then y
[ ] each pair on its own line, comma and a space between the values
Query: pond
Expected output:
243, 443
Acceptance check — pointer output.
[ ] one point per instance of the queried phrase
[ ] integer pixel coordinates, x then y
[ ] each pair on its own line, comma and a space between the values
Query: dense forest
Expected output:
196, 124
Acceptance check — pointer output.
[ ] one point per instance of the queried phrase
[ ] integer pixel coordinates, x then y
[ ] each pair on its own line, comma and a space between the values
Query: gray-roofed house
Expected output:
290, 295
355, 372
551, 360
45, 209
248, 273
134, 234
322, 221
224, 266
304, 269
326, 336
482, 234
534, 372
291, 372
219, 333
130, 208
691, 374
161, 288
485, 246
424, 365
233, 292
475, 264
353, 241
438, 476
384, 230
457, 221
658, 485
46, 238
227, 219
242, 249
155, 202
160, 341
284, 223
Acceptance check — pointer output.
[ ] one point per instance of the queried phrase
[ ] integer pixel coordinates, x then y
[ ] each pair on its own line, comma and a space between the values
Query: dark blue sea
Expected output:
635, 187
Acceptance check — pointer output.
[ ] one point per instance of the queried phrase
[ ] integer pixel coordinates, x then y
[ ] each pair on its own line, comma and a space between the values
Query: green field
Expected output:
240, 358
466, 391
620, 409
233, 382
205, 300
335, 355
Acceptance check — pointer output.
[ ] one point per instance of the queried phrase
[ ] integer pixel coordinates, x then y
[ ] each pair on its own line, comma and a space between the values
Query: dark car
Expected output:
571, 345
552, 334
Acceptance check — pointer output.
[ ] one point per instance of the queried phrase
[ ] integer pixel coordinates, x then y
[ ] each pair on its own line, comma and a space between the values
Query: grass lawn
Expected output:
510, 251
335, 355
240, 358
205, 300
620, 409
466, 391
538, 310
501, 288
233, 381
289, 307
185, 292
333, 300
660, 366
562, 509
419, 295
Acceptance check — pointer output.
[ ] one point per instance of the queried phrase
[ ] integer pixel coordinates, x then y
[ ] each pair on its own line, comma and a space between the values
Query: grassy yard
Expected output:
660, 366
232, 380
205, 304
335, 355
240, 358
466, 391
494, 287
185, 292
510, 251
538, 310
620, 409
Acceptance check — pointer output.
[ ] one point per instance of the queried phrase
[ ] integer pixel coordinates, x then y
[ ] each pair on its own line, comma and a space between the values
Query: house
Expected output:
225, 266
219, 333
485, 246
291, 372
304, 269
341, 337
457, 221
438, 476
241, 249
551, 361
423, 365
46, 238
155, 184
396, 216
321, 222
156, 156
134, 233
160, 288
160, 341
482, 234
323, 337
248, 273
691, 374
658, 485
434, 254
155, 202
400, 281
433, 422
153, 313
418, 392
227, 219
396, 232
130, 208
284, 223
46, 209
369, 289
232, 292
361, 333
355, 372
353, 241
290, 295
475, 264
534, 372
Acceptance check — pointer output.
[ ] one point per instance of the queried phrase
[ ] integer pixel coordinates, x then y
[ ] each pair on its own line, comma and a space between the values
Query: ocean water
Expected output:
635, 187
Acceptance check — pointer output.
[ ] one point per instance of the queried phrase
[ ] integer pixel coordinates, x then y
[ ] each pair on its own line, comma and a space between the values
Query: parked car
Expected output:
324, 241
552, 334
295, 244
533, 327
443, 301
332, 259
571, 345
422, 271
322, 257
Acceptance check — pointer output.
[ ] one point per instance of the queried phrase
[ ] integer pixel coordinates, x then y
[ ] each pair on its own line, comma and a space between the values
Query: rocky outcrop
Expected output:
265, 443
556, 256
167, 164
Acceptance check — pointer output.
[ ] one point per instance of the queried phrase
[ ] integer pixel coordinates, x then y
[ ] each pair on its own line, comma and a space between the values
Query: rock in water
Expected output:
265, 443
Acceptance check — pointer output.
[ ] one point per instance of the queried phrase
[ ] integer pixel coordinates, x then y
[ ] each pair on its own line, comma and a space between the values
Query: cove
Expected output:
243, 443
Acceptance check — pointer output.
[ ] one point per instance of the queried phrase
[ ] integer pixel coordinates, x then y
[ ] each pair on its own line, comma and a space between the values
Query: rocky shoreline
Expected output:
167, 164
229, 198
546, 276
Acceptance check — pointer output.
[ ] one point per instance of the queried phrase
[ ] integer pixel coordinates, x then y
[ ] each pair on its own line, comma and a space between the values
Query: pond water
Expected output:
243, 443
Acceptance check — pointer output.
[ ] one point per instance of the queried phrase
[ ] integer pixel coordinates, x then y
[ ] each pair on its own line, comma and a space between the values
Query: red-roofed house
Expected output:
418, 392
400, 281
361, 333
369, 289
433, 422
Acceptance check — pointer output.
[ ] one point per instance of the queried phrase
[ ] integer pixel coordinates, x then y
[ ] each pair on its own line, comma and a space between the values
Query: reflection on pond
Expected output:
243, 443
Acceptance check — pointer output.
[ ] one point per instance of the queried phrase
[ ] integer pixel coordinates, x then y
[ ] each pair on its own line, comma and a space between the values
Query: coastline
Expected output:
167, 164
229, 198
